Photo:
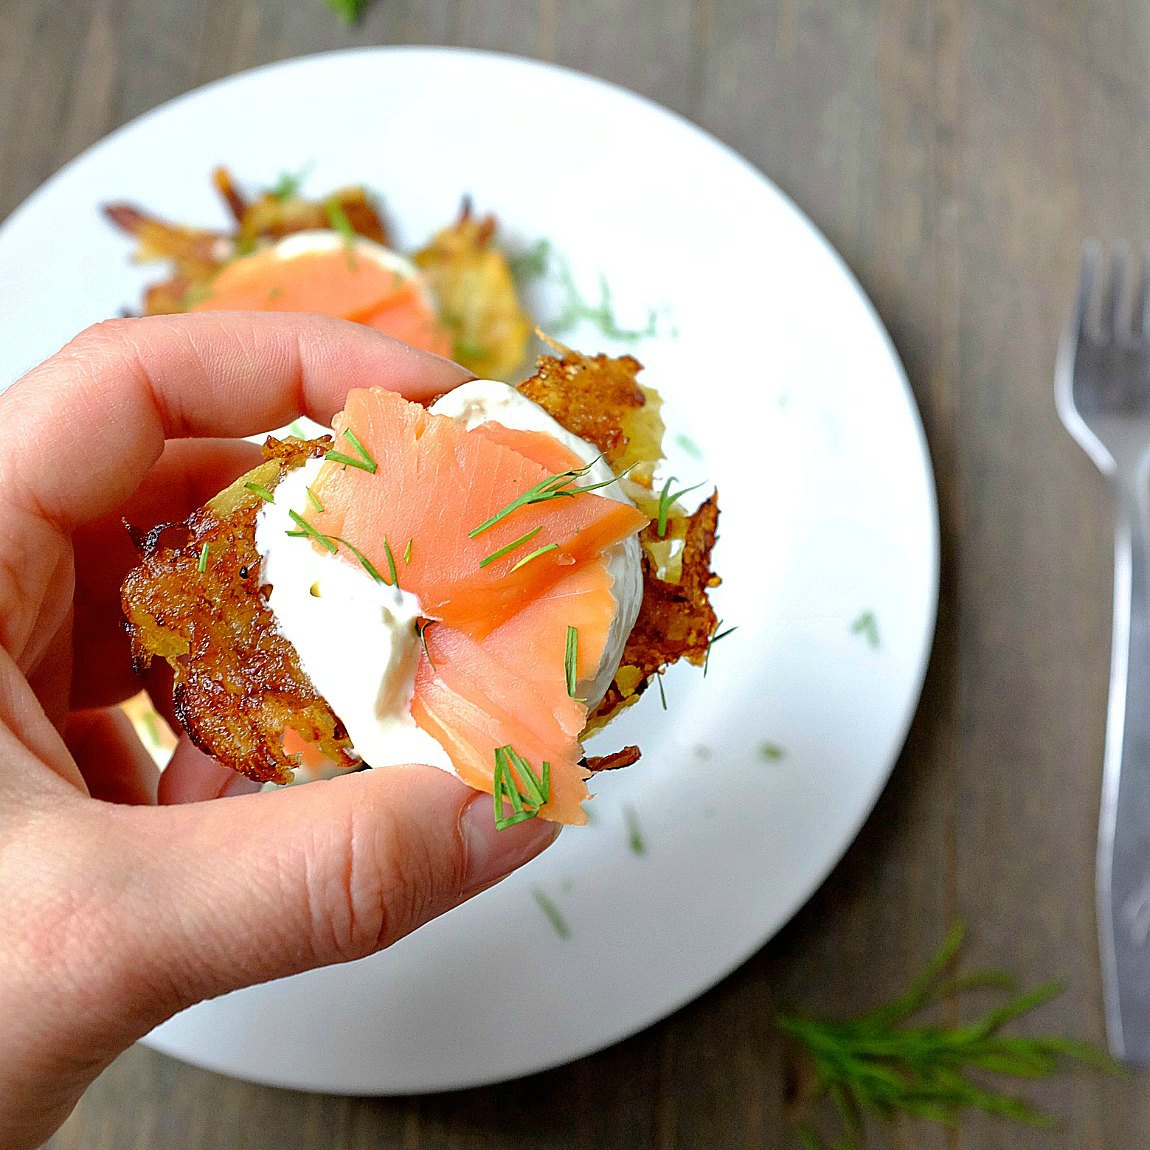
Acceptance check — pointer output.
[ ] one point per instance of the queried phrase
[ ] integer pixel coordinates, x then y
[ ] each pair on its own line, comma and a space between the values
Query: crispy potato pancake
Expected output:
465, 269
238, 682
477, 296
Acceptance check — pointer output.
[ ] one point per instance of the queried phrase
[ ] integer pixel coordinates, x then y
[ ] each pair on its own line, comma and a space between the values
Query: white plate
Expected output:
772, 361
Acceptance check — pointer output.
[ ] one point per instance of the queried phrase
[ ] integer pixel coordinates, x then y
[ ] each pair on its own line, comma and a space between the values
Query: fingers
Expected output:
112, 760
266, 885
193, 777
83, 429
187, 475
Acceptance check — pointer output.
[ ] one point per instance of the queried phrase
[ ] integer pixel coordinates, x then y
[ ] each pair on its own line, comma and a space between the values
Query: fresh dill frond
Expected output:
512, 771
715, 637
509, 547
390, 563
534, 555
314, 500
667, 501
867, 626
262, 492
364, 462
571, 660
307, 529
880, 1067
202, 563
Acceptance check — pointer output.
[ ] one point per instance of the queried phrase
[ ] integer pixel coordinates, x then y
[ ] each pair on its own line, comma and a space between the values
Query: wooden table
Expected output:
956, 152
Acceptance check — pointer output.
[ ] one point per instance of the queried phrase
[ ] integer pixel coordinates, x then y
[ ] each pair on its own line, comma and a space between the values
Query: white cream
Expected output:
355, 638
321, 600
488, 401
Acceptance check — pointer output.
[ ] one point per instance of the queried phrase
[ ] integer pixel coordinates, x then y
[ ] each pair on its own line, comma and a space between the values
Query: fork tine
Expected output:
1087, 285
1114, 323
1142, 304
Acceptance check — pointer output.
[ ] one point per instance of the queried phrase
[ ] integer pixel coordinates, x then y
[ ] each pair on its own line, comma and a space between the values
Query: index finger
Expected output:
83, 428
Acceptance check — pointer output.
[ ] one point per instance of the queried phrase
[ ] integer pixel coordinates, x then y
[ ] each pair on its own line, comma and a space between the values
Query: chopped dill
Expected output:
534, 555
662, 691
407, 551
715, 637
512, 771
364, 561
553, 487
530, 264
771, 752
337, 217
667, 500
202, 564
288, 185
314, 500
571, 660
508, 548
364, 462
307, 529
602, 314
554, 917
635, 838
390, 563
867, 625
689, 446
262, 492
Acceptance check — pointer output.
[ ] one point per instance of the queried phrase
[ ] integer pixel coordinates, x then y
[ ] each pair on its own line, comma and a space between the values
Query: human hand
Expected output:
118, 912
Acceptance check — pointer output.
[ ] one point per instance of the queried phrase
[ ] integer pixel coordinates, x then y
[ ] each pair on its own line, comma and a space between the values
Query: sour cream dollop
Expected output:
316, 595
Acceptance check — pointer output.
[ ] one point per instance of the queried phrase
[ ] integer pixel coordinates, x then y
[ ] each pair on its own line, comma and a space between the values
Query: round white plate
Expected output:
785, 386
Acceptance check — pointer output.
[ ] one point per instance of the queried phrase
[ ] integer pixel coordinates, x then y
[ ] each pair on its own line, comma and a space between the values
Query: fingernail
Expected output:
493, 854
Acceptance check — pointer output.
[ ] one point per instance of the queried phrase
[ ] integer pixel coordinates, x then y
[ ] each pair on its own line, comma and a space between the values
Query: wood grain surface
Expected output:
957, 152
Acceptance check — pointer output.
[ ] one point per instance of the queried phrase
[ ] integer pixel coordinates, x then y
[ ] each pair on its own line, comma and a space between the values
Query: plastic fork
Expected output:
1102, 387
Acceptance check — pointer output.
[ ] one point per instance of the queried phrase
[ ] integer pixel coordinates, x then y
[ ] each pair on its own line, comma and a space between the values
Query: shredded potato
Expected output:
477, 296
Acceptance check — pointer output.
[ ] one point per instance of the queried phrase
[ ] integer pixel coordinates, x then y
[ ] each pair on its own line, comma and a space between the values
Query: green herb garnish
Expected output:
202, 564
601, 314
635, 838
666, 500
689, 446
571, 660
552, 912
305, 528
553, 487
662, 692
314, 500
530, 264
390, 563
289, 184
510, 546
534, 555
512, 771
866, 624
771, 752
407, 551
337, 217
877, 1065
364, 462
366, 563
421, 631
262, 492
715, 637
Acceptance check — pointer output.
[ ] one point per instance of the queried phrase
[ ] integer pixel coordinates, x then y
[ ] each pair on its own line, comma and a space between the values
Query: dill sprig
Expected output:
337, 217
880, 1067
534, 555
364, 462
306, 528
571, 660
314, 500
202, 562
509, 547
552, 912
512, 771
662, 690
262, 492
390, 562
348, 10
553, 487
667, 501
715, 637
407, 551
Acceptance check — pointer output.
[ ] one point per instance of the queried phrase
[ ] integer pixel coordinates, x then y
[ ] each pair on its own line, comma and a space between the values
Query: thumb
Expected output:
266, 885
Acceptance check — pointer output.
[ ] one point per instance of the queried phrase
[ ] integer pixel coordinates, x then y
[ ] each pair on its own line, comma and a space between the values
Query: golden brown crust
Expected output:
625, 757
238, 681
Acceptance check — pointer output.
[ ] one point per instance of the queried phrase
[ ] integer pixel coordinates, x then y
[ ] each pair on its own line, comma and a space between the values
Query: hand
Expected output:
117, 912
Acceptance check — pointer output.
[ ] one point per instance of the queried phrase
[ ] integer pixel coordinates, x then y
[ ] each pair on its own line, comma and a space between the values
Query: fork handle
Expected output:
1124, 825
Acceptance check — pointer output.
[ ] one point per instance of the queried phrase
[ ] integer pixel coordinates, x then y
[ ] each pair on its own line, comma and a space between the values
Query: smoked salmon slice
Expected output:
430, 493
342, 282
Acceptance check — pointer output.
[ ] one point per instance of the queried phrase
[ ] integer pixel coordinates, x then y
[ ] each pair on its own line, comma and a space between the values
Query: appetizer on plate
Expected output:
477, 584
455, 296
